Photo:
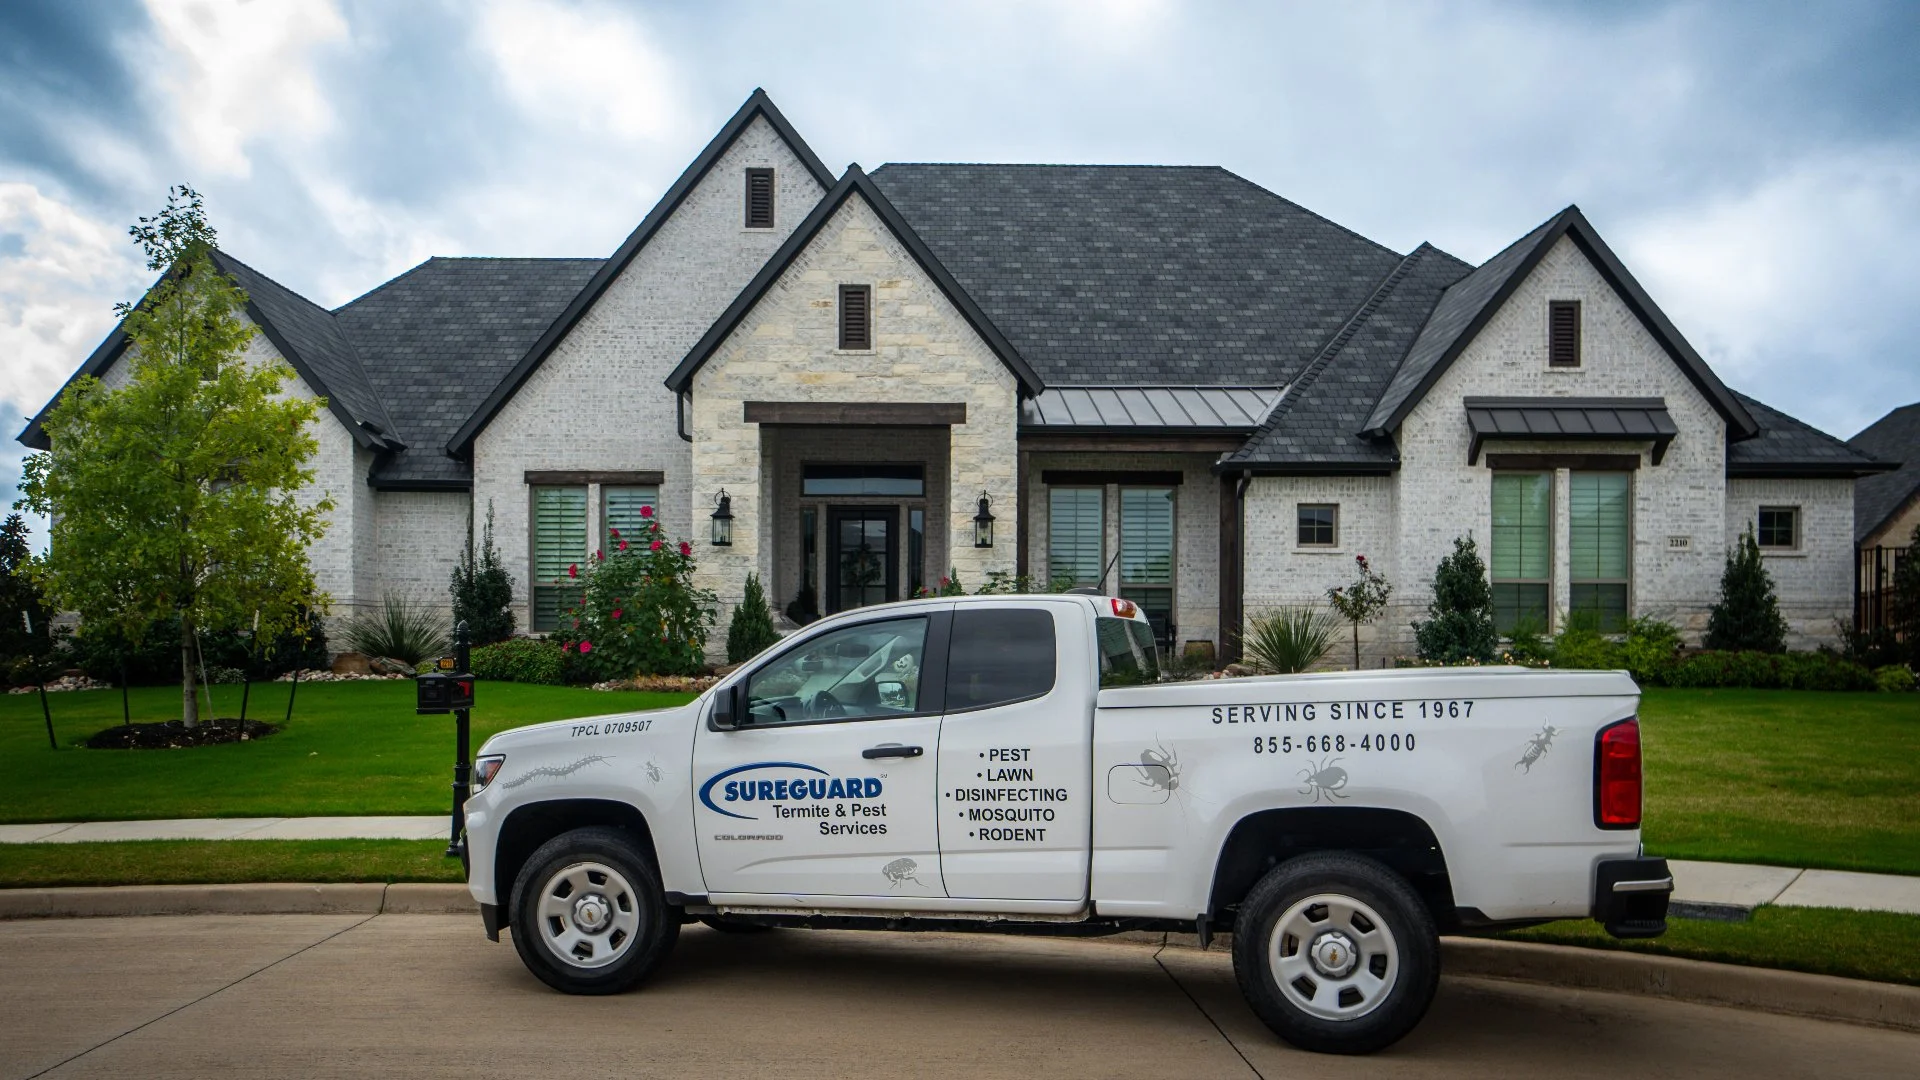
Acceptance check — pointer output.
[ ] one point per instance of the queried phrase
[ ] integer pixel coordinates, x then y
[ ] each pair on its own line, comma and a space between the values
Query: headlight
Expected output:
485, 768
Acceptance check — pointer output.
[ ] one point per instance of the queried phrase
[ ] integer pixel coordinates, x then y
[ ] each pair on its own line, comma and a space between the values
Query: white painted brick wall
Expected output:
1441, 496
1280, 573
599, 401
785, 350
418, 541
1814, 584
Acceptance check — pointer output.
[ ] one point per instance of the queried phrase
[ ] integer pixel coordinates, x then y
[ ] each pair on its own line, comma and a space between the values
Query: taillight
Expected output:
1616, 776
1125, 609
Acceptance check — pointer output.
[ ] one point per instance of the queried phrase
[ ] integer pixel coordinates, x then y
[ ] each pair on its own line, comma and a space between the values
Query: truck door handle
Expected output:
891, 750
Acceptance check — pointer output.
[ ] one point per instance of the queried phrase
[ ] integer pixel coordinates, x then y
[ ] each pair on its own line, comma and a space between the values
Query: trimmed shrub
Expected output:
1894, 679
1461, 627
527, 660
1528, 645
751, 628
1747, 615
1650, 649
1768, 671
481, 589
1579, 645
1289, 640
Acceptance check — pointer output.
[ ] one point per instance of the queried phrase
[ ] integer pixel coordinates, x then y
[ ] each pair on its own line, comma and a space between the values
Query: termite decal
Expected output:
1537, 748
555, 770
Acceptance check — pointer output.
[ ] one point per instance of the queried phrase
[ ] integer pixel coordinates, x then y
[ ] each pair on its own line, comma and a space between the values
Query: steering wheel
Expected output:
823, 705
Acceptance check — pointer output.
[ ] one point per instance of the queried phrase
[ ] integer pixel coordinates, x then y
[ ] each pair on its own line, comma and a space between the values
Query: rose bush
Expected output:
639, 612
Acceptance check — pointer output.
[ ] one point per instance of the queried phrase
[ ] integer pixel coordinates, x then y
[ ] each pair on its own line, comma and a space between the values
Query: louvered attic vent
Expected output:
856, 317
1563, 333
759, 198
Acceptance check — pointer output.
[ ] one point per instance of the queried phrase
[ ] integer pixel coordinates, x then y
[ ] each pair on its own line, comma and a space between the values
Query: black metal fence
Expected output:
1873, 602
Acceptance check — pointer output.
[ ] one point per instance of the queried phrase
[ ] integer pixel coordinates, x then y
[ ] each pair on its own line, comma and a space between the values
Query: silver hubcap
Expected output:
1333, 957
589, 915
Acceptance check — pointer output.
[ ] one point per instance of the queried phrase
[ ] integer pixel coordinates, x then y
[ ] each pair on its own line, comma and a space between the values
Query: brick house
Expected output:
1165, 380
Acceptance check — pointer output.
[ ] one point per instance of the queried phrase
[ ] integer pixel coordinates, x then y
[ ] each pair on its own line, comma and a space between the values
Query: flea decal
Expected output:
1326, 778
900, 871
1161, 768
555, 770
1537, 748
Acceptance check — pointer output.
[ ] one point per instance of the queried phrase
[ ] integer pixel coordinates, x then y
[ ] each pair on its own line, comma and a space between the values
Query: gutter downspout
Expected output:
680, 416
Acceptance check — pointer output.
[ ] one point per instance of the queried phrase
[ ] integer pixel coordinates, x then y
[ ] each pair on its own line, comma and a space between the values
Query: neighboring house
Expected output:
1164, 380
1886, 507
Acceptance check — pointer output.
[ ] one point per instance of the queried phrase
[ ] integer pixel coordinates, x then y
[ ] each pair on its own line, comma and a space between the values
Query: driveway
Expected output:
423, 995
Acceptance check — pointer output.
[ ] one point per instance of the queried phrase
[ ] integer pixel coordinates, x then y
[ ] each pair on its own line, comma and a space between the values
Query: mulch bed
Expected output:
173, 735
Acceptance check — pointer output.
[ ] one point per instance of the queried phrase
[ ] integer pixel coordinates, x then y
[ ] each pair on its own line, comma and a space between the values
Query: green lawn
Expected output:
202, 862
352, 748
1790, 778
1876, 945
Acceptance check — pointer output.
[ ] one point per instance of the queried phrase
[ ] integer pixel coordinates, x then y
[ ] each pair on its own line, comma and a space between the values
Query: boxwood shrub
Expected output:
528, 660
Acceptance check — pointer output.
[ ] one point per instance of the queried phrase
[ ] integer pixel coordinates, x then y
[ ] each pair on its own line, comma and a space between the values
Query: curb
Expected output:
1821, 997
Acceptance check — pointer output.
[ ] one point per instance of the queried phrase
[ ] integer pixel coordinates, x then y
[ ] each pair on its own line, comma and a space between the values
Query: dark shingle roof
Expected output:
1316, 426
439, 337
1786, 447
1894, 437
1140, 274
306, 334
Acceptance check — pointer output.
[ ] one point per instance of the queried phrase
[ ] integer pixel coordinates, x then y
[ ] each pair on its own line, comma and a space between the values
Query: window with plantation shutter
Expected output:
559, 542
621, 511
1563, 333
1599, 539
1075, 535
1146, 555
856, 317
759, 198
1521, 555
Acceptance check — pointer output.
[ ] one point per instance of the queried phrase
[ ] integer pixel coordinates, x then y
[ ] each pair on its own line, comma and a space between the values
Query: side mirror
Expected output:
726, 708
893, 693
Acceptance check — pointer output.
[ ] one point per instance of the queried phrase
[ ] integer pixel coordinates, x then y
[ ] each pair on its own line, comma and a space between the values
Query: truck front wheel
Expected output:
1336, 953
588, 915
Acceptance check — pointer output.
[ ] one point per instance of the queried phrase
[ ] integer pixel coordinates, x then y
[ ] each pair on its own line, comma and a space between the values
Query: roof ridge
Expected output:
1311, 373
1045, 165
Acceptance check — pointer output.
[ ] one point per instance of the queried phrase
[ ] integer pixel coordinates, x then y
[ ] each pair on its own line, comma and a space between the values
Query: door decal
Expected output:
786, 789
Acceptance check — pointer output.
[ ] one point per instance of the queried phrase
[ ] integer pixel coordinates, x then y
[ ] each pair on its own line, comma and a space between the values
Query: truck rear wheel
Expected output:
1336, 953
588, 915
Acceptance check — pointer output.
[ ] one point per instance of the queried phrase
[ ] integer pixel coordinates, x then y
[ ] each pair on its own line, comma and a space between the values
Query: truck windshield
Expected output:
1128, 656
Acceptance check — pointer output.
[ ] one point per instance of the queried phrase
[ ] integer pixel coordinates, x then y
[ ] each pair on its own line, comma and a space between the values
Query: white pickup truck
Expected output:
1015, 762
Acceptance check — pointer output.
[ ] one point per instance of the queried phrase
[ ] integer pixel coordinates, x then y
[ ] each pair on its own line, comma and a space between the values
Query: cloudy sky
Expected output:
1757, 165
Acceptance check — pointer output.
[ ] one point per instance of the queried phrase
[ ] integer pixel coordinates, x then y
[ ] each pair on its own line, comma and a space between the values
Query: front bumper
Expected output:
1630, 896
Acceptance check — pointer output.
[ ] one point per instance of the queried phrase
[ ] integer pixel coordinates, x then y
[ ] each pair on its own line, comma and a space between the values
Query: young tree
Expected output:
751, 628
482, 590
1461, 627
174, 494
1747, 616
25, 628
1362, 601
1906, 601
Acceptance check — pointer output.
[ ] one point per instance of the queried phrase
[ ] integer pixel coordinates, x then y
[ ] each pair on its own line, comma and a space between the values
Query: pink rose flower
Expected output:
566, 646
573, 569
623, 545
601, 555
686, 548
615, 532
586, 647
646, 511
656, 546
616, 612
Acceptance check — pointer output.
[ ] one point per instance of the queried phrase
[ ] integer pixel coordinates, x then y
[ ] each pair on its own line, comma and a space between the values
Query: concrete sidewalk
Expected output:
1701, 889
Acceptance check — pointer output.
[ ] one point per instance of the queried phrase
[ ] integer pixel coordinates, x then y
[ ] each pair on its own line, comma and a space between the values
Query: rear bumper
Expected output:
1630, 896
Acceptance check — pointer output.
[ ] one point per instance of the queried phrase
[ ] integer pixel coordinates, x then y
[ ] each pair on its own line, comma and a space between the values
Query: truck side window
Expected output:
1128, 655
999, 656
872, 669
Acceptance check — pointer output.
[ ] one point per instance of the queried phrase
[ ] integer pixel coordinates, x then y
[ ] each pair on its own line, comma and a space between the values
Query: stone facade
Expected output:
598, 401
786, 350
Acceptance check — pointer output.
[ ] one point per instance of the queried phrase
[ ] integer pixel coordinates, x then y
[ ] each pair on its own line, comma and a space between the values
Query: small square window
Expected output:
1318, 524
1779, 528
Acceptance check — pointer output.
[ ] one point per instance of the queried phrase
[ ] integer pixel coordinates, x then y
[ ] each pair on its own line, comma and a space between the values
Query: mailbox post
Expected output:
450, 689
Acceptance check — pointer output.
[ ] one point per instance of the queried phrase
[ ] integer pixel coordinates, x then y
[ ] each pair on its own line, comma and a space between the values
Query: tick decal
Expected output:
1537, 748
1326, 778
1158, 759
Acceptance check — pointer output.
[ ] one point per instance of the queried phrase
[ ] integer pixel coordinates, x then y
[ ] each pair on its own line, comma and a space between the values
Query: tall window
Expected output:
1599, 512
1076, 545
1563, 333
559, 541
856, 317
1146, 555
1778, 528
1522, 550
620, 510
759, 198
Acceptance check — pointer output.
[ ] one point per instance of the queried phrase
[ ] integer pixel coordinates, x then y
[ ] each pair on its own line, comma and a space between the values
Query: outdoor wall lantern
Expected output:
983, 525
723, 519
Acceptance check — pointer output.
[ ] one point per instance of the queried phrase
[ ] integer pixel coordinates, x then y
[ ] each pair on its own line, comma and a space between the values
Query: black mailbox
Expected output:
442, 693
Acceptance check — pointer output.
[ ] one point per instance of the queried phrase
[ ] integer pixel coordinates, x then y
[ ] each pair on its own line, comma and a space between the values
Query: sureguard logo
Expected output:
799, 784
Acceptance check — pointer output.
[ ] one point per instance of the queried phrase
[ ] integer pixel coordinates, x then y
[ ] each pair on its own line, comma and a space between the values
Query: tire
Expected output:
588, 915
733, 926
1336, 953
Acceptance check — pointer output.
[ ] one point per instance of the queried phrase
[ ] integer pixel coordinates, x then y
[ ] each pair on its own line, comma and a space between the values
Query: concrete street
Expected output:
423, 995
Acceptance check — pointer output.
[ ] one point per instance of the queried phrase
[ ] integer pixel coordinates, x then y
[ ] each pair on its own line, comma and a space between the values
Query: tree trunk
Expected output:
189, 695
1356, 646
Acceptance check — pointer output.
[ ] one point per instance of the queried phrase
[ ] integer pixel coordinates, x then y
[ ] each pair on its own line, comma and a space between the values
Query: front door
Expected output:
828, 789
863, 565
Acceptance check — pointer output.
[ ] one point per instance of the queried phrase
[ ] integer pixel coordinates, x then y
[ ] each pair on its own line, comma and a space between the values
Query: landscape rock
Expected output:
352, 663
387, 665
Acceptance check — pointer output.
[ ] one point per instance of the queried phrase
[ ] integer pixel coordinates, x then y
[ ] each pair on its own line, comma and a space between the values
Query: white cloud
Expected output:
234, 70
586, 66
